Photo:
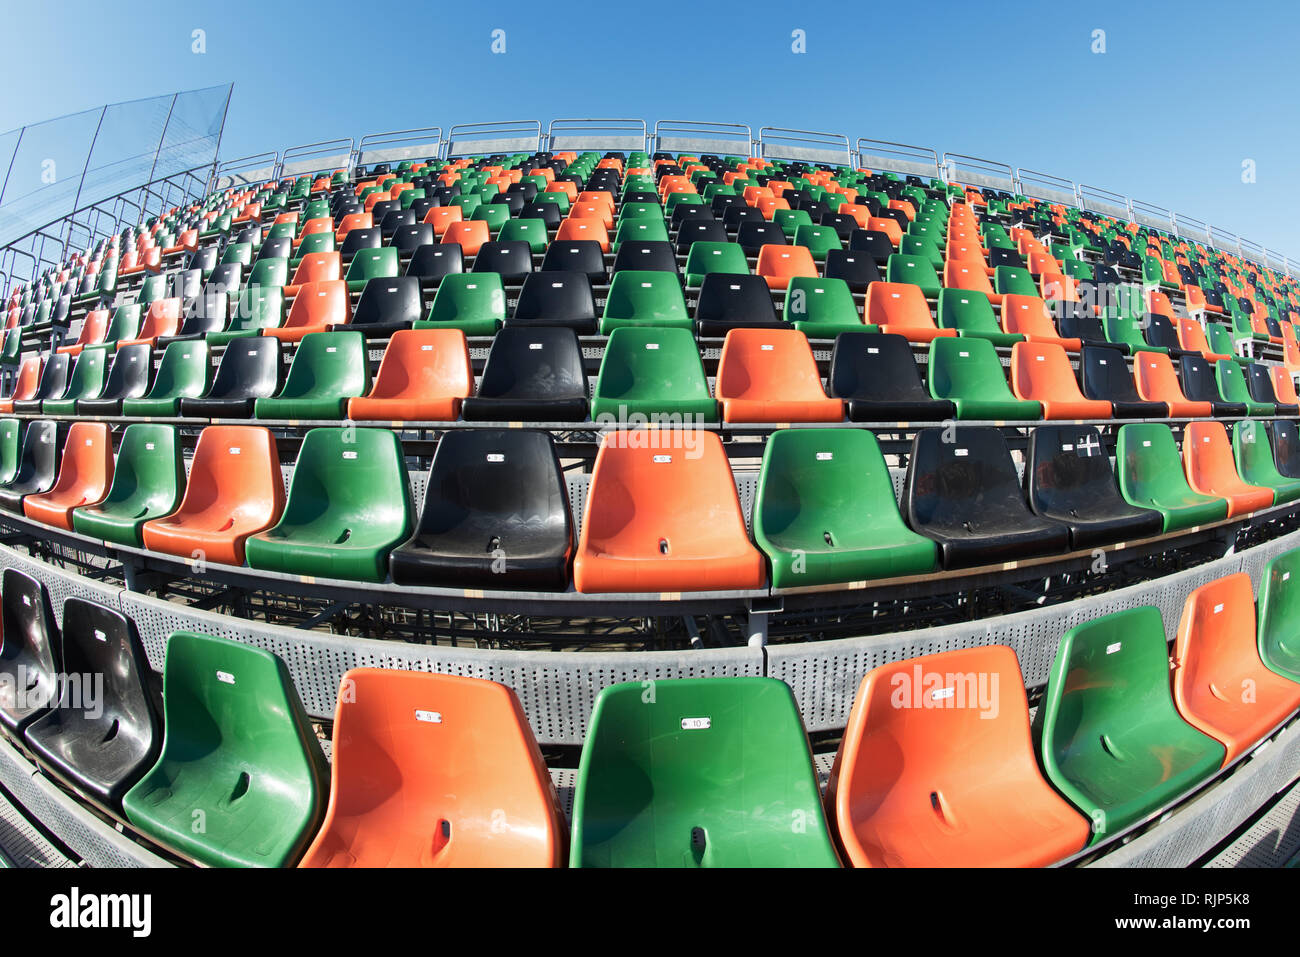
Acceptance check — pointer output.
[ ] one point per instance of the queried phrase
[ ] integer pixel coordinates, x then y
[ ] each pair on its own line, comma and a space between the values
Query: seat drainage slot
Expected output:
699, 844
111, 733
347, 533
663, 546
241, 786
830, 540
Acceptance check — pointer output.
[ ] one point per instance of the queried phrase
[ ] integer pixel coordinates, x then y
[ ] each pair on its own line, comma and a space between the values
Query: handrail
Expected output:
400, 145
805, 145
698, 135
618, 134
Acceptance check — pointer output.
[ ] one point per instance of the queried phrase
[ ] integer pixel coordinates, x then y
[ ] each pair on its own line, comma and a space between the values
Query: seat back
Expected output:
54, 377
327, 365
651, 367
39, 459
249, 368
30, 655
774, 364
948, 480
183, 371
319, 305
235, 469
1279, 614
556, 298
875, 366
87, 379
527, 362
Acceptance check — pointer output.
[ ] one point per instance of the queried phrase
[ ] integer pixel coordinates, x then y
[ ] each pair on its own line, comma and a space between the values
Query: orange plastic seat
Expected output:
582, 227
162, 319
187, 241
1212, 470
1029, 316
320, 224
317, 307
1156, 381
317, 267
350, 222
778, 264
768, 205
968, 275
887, 226
1221, 685
593, 210
1195, 300
1283, 385
235, 490
937, 769
424, 376
93, 329
770, 375
470, 234
433, 770
85, 473
1158, 303
568, 189
29, 378
1058, 287
900, 307
906, 208
1041, 371
1192, 338
440, 217
1043, 263
663, 516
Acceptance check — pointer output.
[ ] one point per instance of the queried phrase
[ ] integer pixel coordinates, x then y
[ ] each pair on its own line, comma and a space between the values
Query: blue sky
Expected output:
1184, 93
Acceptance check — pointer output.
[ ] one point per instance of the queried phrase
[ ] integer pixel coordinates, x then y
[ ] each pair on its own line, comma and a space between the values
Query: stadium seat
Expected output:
316, 267
1260, 384
556, 299
968, 373
10, 431
183, 372
822, 308
770, 375
85, 382
162, 319
30, 651
101, 751
1105, 375
235, 490
705, 258
1192, 338
1069, 480
147, 483
388, 305
474, 303
249, 370
1235, 388
644, 298
1041, 372
1208, 461
532, 374
85, 473
972, 316
964, 494
1151, 476
777, 265
257, 309
901, 308
1257, 464
1156, 381
370, 264
1285, 437
825, 511
968, 277
1200, 385
93, 329
1028, 316
729, 302
657, 781
1221, 685
652, 372
349, 505
877, 377
663, 515
424, 375
36, 465
949, 778
495, 515
1279, 638
317, 307
1110, 738
240, 749
25, 384
464, 785
328, 370
53, 383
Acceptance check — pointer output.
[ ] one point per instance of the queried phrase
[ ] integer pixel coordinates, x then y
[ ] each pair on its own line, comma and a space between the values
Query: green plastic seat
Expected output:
641, 211
531, 231
368, 264
971, 314
640, 230
826, 513
698, 772
475, 303
10, 433
269, 272
968, 373
349, 505
312, 243
86, 382
239, 758
1110, 738
151, 290
1124, 331
258, 308
823, 308
328, 368
12, 353
1151, 476
148, 480
1234, 388
652, 371
709, 257
1279, 615
644, 298
241, 253
1012, 280
914, 270
183, 373
1253, 453
495, 215
818, 239
918, 244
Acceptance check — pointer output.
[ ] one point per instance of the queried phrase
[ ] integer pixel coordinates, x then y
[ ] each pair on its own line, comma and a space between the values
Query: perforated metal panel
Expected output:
1271, 841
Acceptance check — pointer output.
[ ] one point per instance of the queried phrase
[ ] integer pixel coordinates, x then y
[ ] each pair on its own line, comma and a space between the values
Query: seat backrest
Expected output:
534, 362
1260, 383
319, 304
39, 458
1232, 381
867, 365
1067, 470
1215, 643
651, 362
237, 466
1199, 383
249, 368
648, 296
1155, 377
1279, 614
946, 480
318, 267
30, 650
732, 298
351, 476
327, 363
54, 377
556, 297
966, 368
87, 379
425, 362
183, 371
768, 363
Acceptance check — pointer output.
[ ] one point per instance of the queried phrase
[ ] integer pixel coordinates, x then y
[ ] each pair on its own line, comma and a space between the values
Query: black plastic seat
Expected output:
1106, 375
1076, 320
225, 278
877, 377
856, 268
1160, 332
386, 305
1285, 436
1200, 385
842, 223
29, 650
407, 239
38, 464
512, 259
185, 284
431, 262
249, 370
281, 247
556, 299
963, 492
128, 378
872, 242
512, 201
495, 515
1001, 256
53, 383
102, 751
699, 231
654, 254
208, 313
358, 239
532, 374
753, 236
897, 215
734, 301
1069, 480
393, 220
1257, 378
576, 255
685, 212
736, 216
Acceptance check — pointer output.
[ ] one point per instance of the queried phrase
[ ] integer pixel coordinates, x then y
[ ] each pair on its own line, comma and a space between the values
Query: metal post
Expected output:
220, 133
12, 160
84, 170
163, 138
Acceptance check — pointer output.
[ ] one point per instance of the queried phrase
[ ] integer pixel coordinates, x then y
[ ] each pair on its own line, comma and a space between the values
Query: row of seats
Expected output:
440, 770
662, 510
